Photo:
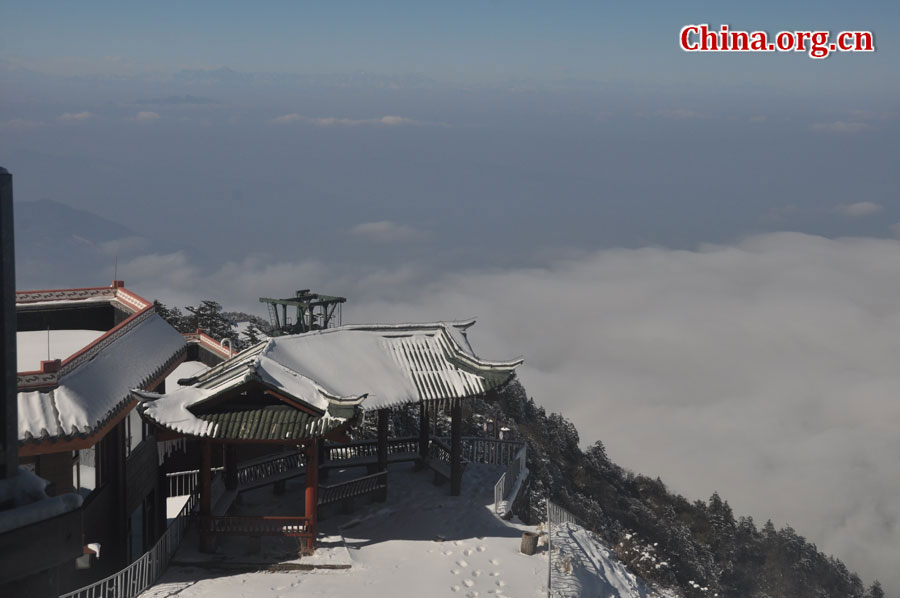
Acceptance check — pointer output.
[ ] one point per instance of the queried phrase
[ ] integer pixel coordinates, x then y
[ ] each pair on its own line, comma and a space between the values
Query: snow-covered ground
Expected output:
421, 543
585, 567
33, 347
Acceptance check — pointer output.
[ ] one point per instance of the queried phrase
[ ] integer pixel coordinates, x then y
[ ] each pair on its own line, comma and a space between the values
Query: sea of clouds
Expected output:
767, 370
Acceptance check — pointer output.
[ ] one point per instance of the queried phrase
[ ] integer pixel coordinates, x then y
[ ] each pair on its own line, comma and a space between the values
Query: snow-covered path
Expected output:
421, 543
584, 566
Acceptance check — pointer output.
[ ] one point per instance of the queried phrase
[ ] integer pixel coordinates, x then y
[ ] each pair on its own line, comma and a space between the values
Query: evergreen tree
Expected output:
875, 590
208, 317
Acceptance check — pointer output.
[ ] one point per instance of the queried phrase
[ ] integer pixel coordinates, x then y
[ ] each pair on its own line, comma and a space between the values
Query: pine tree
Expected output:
875, 590
252, 333
208, 318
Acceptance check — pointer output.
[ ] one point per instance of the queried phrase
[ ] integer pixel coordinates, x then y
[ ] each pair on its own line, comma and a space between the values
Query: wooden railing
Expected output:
256, 526
268, 466
352, 488
361, 449
440, 450
142, 573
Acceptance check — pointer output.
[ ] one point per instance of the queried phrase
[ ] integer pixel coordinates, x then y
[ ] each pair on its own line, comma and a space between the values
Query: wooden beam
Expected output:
205, 478
456, 448
382, 449
207, 540
423, 430
294, 403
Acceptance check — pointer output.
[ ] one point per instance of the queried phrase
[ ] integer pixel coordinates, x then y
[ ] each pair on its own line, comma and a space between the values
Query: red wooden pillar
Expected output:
312, 493
207, 540
456, 448
382, 439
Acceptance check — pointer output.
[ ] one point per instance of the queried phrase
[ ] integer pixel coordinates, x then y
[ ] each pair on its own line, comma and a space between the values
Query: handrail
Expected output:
181, 483
555, 513
257, 526
507, 481
143, 572
369, 448
259, 469
437, 449
352, 488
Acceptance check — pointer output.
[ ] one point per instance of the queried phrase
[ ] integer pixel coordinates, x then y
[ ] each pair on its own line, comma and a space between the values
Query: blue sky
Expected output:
461, 41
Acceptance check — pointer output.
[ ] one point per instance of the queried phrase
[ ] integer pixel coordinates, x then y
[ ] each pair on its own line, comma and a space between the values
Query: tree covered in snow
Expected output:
208, 317
700, 548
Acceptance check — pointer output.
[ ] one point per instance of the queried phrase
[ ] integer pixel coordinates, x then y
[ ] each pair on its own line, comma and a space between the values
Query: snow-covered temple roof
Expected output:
77, 396
330, 374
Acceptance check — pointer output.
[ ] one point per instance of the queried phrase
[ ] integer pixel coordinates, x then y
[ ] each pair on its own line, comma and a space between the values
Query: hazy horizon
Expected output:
696, 254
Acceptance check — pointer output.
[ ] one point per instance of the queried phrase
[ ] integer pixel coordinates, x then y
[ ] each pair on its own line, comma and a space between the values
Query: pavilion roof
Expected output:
331, 374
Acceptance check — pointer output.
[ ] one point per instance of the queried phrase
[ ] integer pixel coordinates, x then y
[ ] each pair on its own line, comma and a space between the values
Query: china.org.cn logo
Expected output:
817, 44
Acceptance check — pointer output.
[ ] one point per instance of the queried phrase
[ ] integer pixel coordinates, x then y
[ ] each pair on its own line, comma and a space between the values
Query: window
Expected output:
84, 470
134, 432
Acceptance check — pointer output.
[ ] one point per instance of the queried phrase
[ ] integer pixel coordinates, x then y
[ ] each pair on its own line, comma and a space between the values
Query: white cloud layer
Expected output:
840, 127
331, 121
859, 209
767, 371
385, 231
146, 116
75, 116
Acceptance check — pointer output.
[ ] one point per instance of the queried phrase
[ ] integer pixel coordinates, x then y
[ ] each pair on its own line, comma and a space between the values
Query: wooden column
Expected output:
231, 480
207, 540
423, 432
456, 448
9, 419
382, 438
312, 494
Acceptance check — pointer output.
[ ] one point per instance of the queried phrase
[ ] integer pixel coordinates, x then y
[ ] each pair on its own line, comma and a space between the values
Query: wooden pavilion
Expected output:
300, 390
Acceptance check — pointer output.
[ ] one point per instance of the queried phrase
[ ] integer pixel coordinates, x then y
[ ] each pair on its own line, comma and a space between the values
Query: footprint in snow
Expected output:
458, 543
494, 562
472, 594
455, 571
501, 583
477, 573
481, 548
468, 583
468, 551
455, 588
447, 552
495, 573
462, 563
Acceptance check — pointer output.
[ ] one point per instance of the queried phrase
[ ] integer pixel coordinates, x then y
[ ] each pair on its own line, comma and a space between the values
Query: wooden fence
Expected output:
256, 526
249, 472
368, 449
376, 482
